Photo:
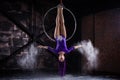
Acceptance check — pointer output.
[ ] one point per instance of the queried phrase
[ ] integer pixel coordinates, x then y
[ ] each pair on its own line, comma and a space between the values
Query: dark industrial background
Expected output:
21, 24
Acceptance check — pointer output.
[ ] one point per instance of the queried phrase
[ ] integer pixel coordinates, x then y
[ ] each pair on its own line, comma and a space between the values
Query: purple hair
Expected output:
62, 68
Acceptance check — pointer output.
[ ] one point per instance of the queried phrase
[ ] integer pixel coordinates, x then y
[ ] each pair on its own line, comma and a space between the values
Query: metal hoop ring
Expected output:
72, 16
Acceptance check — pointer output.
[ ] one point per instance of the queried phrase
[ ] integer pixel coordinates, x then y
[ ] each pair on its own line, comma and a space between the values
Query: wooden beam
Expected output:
13, 54
16, 22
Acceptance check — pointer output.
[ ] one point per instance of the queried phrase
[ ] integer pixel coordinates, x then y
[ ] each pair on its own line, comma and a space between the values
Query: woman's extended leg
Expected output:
57, 29
60, 26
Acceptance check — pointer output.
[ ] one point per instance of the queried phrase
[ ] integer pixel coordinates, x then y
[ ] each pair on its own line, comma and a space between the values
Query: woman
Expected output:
60, 37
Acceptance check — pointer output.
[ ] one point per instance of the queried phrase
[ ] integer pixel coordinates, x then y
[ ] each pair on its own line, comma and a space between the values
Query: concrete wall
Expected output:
103, 29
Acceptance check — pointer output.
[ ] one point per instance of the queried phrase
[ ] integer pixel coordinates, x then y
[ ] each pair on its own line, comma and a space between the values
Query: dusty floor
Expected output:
50, 76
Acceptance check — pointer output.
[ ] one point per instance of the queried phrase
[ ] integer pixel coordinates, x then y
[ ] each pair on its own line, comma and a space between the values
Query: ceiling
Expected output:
83, 7
79, 7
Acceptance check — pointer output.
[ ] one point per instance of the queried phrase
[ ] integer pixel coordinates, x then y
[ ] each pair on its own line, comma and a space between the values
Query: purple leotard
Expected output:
61, 46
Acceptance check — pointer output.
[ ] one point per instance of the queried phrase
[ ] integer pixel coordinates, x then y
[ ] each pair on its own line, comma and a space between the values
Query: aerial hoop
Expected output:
75, 23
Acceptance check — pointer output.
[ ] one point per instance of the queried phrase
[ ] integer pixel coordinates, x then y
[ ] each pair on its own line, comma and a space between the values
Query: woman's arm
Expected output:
41, 46
74, 47
47, 47
77, 46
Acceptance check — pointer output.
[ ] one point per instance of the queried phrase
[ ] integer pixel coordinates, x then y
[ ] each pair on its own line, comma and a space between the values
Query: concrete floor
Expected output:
51, 76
